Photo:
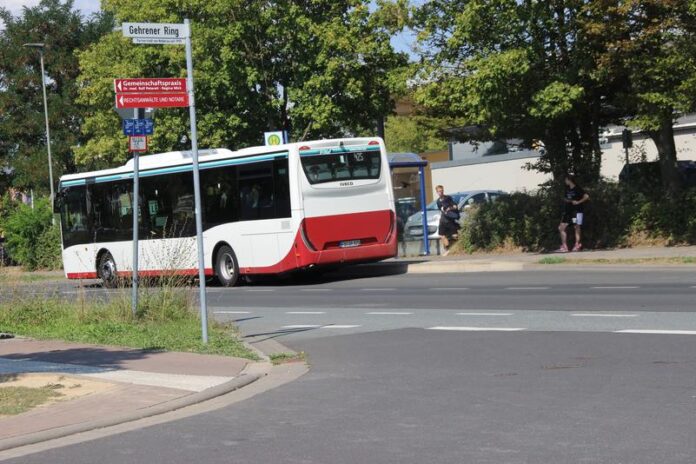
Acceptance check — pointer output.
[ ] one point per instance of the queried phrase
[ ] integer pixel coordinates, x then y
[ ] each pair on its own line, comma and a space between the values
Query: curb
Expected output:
244, 379
441, 267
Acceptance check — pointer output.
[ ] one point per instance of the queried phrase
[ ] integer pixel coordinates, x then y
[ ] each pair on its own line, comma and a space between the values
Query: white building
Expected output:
474, 167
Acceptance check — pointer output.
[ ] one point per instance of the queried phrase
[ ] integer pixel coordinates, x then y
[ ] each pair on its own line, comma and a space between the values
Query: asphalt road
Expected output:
489, 368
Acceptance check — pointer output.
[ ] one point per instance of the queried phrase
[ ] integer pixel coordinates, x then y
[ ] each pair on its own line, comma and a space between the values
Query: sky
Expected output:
401, 42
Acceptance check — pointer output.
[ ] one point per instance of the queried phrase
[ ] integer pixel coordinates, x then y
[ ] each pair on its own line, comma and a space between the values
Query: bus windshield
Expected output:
341, 166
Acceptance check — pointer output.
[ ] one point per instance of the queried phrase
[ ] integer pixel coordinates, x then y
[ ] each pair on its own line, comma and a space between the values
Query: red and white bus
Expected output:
266, 210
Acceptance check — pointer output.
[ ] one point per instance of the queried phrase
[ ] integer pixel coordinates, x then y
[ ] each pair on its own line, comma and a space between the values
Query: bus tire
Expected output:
226, 267
106, 270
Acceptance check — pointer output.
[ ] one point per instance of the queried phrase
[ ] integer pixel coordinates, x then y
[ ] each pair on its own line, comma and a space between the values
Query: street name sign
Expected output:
156, 33
154, 85
151, 100
138, 126
137, 143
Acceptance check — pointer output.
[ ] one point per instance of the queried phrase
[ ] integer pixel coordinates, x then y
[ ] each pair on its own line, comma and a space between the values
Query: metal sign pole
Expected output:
196, 185
136, 194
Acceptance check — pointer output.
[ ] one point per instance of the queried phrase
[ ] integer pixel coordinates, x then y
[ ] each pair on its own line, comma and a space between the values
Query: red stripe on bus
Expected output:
333, 229
82, 275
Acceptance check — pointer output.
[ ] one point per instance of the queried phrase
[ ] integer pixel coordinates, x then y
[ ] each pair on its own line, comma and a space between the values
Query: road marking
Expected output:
339, 326
478, 329
232, 312
447, 289
315, 289
301, 326
527, 288
261, 290
376, 289
604, 315
388, 313
306, 312
484, 314
649, 331
616, 287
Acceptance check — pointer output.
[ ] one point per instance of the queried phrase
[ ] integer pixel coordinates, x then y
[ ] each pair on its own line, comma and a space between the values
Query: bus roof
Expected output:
175, 158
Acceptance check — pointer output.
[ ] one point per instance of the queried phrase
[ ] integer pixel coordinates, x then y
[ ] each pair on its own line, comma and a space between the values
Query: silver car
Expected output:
464, 200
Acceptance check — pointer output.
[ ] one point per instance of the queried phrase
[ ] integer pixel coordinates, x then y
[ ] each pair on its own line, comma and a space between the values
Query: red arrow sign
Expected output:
154, 85
151, 100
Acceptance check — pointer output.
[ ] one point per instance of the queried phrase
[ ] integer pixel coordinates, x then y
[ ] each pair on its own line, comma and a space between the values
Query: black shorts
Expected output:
448, 227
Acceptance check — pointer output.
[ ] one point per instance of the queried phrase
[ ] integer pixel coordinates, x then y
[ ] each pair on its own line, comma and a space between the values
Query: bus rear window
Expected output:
336, 167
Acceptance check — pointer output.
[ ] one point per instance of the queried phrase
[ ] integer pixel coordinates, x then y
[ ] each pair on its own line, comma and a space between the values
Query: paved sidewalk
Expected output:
492, 262
126, 384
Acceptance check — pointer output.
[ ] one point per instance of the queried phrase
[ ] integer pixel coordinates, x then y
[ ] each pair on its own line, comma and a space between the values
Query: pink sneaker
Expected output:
577, 247
563, 249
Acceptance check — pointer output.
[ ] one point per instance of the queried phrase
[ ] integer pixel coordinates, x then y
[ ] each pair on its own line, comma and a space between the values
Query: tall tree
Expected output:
317, 68
23, 151
650, 48
517, 68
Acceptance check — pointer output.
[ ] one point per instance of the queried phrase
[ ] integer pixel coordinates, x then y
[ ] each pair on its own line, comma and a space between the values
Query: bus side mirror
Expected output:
58, 202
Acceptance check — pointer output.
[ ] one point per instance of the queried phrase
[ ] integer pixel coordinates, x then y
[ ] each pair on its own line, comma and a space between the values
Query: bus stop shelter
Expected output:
399, 161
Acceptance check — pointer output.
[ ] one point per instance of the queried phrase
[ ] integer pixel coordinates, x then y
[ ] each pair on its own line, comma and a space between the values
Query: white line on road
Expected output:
339, 326
478, 329
376, 289
616, 287
388, 313
604, 315
447, 289
527, 288
650, 331
484, 314
306, 312
231, 312
316, 289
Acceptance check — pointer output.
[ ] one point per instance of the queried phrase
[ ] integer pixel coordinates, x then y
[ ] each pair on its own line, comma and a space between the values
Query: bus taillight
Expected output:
374, 142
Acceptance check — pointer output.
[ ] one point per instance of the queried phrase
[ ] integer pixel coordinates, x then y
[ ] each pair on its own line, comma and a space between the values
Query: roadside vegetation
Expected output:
16, 400
616, 216
665, 260
166, 320
285, 358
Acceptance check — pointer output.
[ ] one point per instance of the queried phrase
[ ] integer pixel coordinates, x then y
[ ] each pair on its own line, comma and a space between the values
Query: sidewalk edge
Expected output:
244, 379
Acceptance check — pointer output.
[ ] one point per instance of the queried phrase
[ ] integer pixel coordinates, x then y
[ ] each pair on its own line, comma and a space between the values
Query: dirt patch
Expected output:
65, 387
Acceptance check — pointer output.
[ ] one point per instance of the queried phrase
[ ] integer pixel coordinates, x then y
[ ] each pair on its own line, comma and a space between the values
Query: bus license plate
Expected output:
349, 243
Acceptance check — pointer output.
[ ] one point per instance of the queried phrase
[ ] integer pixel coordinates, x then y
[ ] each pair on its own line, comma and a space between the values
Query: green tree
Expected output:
22, 130
33, 241
517, 69
317, 68
650, 50
417, 134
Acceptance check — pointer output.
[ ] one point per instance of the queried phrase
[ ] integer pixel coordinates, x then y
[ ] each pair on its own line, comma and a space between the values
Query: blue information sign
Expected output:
138, 126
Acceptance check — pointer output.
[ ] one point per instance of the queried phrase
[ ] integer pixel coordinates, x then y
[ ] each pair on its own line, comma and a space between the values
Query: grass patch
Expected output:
284, 358
16, 400
27, 277
669, 260
166, 320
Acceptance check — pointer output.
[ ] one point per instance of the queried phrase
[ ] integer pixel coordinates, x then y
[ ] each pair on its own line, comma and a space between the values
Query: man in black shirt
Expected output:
573, 213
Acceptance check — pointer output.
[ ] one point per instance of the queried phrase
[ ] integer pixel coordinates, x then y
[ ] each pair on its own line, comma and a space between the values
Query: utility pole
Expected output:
40, 47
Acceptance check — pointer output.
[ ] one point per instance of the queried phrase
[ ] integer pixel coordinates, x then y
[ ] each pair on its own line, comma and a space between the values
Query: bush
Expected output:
614, 216
31, 239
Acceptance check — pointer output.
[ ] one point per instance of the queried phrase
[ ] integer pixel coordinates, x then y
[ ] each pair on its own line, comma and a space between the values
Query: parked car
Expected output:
464, 200
646, 176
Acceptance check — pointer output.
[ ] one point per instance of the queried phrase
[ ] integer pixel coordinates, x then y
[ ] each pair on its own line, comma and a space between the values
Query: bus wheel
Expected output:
226, 267
107, 270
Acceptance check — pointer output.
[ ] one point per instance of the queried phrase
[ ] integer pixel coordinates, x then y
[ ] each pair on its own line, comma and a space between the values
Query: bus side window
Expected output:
74, 217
